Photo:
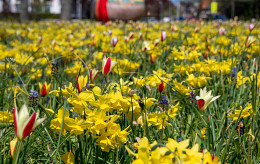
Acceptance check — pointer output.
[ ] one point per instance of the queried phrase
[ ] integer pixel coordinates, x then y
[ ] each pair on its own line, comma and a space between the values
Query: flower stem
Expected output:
17, 151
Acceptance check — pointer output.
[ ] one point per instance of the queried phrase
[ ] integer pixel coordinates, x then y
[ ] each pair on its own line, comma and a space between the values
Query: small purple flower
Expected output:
48, 100
234, 70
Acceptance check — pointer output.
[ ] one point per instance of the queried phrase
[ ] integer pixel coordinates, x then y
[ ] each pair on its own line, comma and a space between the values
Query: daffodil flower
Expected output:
107, 65
23, 124
205, 99
44, 89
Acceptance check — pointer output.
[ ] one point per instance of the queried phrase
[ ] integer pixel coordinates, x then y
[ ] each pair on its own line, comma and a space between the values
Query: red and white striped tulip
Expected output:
107, 65
163, 35
93, 74
251, 27
222, 31
109, 32
205, 99
146, 46
114, 41
249, 41
156, 42
196, 30
140, 35
23, 123
131, 35
12, 146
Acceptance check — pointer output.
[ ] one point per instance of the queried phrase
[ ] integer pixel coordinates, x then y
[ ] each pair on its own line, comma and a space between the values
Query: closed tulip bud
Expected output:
163, 35
23, 124
140, 35
53, 43
44, 89
161, 87
131, 92
205, 54
172, 29
93, 74
251, 27
12, 146
114, 41
86, 31
81, 82
222, 31
131, 35
152, 58
126, 39
40, 40
156, 42
107, 65
196, 30
109, 32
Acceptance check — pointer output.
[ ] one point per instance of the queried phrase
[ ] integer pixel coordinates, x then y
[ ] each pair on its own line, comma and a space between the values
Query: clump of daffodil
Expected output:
197, 82
74, 126
241, 80
6, 117
161, 118
243, 113
76, 69
68, 158
183, 90
182, 69
172, 152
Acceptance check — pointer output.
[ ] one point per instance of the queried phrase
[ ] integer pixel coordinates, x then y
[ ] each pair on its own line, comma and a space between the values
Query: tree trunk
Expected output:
24, 16
65, 9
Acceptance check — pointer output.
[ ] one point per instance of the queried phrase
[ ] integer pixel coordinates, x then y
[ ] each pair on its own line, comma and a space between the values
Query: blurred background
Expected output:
152, 10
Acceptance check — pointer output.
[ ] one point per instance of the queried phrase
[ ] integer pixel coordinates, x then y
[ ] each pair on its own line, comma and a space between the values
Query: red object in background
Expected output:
161, 87
205, 54
101, 10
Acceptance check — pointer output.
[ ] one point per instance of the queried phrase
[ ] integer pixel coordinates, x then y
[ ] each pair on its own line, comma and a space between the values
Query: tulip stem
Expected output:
17, 151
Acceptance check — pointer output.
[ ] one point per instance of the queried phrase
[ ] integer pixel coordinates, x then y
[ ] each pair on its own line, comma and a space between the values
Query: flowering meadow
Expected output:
135, 92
